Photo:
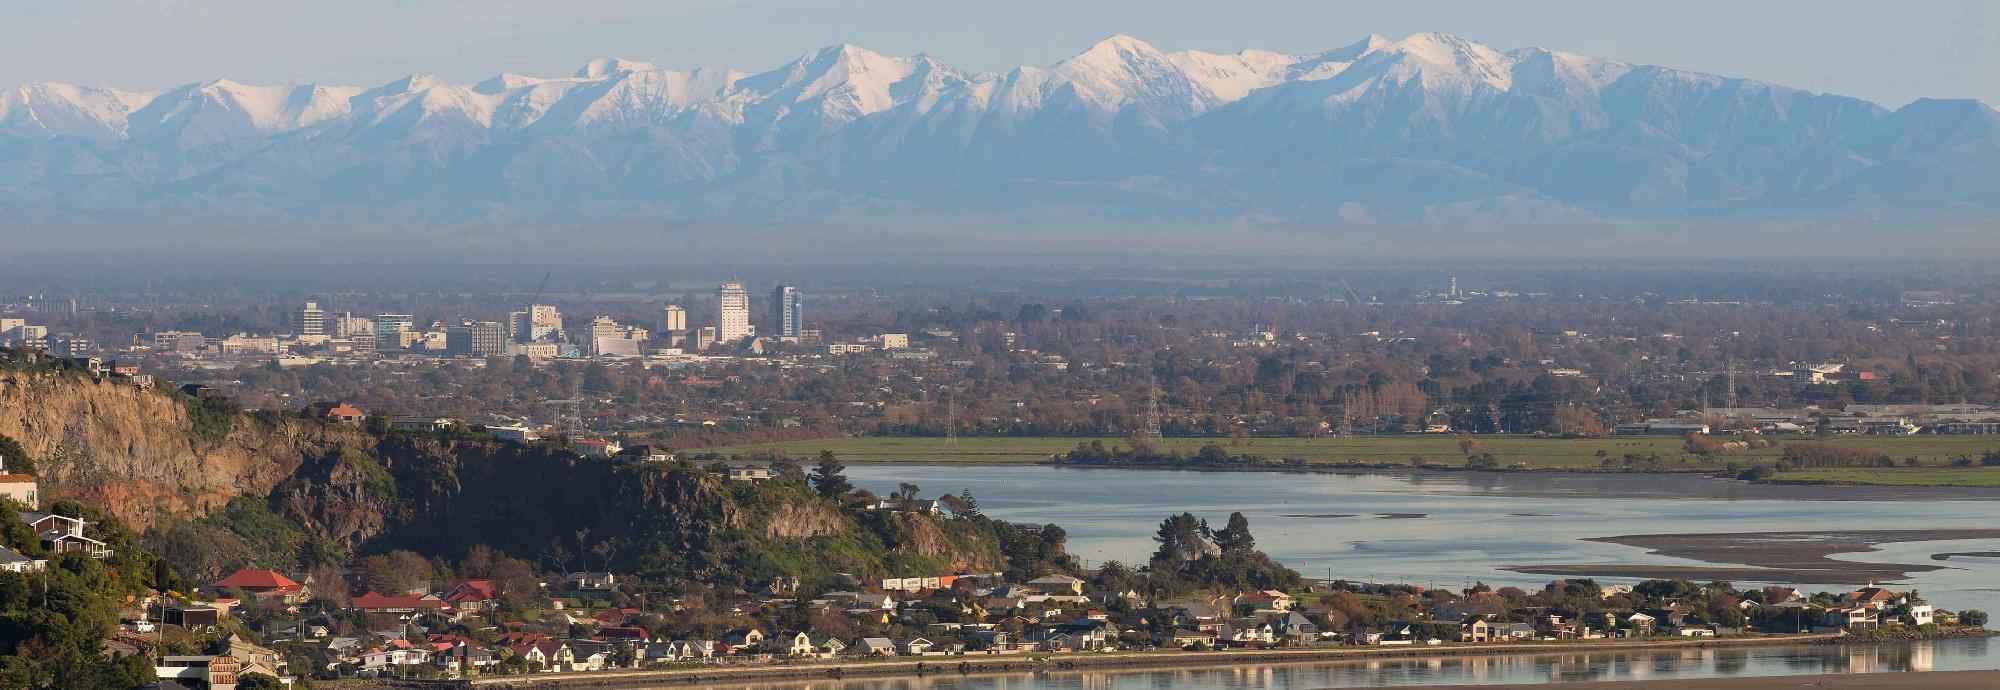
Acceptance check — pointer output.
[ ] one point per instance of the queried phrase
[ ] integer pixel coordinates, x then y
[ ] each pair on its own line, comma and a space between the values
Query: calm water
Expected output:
1947, 655
1449, 529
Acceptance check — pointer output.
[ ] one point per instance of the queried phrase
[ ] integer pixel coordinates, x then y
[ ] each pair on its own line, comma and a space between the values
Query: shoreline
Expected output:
1029, 663
1802, 557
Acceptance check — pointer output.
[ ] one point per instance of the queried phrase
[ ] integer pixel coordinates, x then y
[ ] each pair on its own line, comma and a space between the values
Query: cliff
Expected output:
157, 458
136, 452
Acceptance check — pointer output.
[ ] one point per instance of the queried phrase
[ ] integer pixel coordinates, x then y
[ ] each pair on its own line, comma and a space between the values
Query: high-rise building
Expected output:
489, 338
785, 316
677, 319
538, 323
389, 330
312, 321
732, 320
347, 325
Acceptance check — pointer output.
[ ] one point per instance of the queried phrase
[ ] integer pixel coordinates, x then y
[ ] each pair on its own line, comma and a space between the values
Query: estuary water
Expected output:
1449, 529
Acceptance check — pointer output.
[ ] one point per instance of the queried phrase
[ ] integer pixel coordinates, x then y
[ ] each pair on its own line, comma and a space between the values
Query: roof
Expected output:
251, 578
373, 600
17, 479
8, 555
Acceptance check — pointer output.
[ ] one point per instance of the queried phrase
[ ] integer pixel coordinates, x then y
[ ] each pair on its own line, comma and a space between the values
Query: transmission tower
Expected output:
566, 417
1152, 429
1731, 395
950, 421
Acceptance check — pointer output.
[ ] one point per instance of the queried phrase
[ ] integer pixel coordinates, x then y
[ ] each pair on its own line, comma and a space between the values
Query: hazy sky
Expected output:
1890, 52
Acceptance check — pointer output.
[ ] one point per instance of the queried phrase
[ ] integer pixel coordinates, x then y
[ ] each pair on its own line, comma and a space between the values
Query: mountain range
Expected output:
1431, 128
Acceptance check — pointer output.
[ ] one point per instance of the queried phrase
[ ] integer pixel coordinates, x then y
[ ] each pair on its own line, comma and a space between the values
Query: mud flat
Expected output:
1798, 557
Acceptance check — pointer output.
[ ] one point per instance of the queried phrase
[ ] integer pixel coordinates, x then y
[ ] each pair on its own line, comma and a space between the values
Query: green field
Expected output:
1979, 477
1433, 449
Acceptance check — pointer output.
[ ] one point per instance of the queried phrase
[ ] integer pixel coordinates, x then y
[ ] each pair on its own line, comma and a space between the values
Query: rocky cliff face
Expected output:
135, 451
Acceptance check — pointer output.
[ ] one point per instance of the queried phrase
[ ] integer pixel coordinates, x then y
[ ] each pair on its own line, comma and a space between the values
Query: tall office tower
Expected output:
677, 319
347, 325
537, 323
312, 321
389, 330
732, 321
489, 338
785, 316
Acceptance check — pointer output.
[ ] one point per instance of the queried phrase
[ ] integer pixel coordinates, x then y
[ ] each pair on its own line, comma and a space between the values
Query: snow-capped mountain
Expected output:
1424, 128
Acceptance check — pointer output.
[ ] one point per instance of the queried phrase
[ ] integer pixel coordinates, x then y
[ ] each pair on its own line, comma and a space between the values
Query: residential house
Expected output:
1475, 629
594, 581
1293, 626
1512, 631
262, 585
14, 562
373, 602
1850, 617
1245, 631
472, 595
20, 487
589, 655
795, 644
1189, 639
597, 448
747, 638
1269, 599
875, 646
750, 473
916, 646
1057, 584
548, 655
61, 534
828, 646
336, 412
1870, 597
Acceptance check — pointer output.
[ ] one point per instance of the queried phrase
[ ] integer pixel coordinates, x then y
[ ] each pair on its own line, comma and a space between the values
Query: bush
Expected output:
1972, 617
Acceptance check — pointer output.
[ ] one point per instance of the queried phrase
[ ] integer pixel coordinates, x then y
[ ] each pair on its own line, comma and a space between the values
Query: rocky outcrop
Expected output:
135, 452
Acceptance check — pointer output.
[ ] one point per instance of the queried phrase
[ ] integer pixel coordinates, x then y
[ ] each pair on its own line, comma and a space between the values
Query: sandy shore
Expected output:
1940, 680
1797, 557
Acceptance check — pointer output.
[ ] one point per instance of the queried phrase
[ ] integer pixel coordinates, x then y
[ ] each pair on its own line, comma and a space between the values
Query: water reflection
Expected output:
1946, 655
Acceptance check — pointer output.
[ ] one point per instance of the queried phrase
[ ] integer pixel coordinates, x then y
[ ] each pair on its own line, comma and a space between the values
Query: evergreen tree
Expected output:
967, 504
1235, 538
829, 477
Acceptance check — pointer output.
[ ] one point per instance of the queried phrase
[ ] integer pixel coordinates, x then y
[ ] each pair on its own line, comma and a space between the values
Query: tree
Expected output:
1235, 538
907, 490
1180, 539
1972, 617
829, 478
257, 681
968, 505
15, 457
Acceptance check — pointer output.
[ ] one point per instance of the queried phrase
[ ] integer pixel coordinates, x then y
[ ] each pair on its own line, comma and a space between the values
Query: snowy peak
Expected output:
605, 67
1442, 61
54, 109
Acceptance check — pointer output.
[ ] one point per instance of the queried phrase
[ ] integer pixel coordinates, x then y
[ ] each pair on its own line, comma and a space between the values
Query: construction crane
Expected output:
1353, 298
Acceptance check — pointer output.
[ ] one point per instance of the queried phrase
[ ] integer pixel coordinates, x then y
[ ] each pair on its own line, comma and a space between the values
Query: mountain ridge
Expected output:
1427, 128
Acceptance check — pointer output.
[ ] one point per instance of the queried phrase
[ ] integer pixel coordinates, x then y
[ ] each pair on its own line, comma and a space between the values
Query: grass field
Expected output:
1979, 477
1434, 449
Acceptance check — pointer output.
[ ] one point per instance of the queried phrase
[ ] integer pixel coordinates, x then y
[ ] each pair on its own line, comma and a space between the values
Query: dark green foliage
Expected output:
257, 681
829, 478
17, 459
1973, 617
1191, 557
1235, 538
53, 623
213, 417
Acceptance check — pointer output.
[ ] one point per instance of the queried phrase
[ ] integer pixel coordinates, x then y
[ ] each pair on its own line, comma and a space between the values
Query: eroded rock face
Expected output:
135, 451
